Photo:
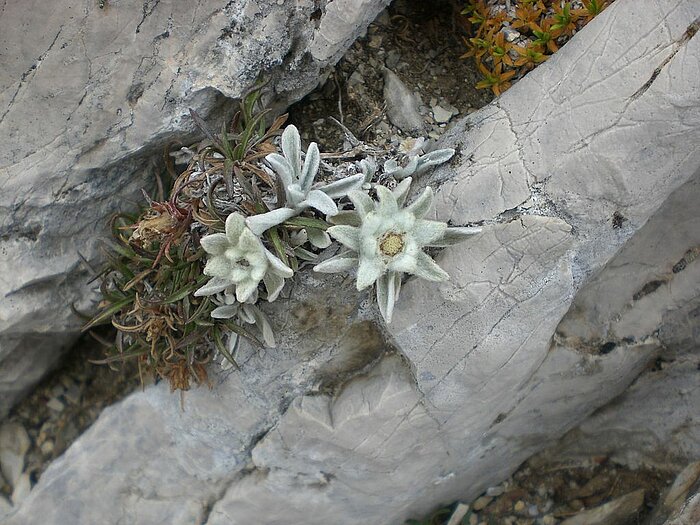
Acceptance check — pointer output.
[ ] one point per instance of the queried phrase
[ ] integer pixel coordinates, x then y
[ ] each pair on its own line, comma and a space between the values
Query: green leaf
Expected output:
277, 243
221, 347
307, 222
185, 291
129, 353
105, 315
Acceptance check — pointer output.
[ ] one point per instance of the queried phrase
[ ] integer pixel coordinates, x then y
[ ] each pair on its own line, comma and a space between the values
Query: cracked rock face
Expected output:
651, 289
90, 98
349, 421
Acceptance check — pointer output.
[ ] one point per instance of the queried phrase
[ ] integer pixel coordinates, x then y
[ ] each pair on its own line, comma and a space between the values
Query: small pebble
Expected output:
548, 520
72, 395
355, 79
481, 503
510, 34
458, 514
533, 511
473, 519
494, 491
5, 506
519, 506
393, 58
442, 115
375, 41
47, 447
576, 504
22, 489
57, 390
14, 443
55, 404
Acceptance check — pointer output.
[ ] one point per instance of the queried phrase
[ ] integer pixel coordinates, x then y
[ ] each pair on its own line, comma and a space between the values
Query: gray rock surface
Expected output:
345, 423
90, 98
402, 105
651, 287
14, 443
680, 503
616, 512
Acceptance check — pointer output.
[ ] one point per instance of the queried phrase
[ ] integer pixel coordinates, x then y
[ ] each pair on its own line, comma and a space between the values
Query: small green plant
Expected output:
156, 261
187, 278
565, 19
542, 27
498, 80
592, 8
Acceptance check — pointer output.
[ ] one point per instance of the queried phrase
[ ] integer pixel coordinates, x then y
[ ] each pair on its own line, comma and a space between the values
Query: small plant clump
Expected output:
509, 38
185, 278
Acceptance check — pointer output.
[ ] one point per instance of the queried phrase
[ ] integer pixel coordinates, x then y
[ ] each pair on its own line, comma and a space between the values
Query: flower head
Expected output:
238, 257
389, 242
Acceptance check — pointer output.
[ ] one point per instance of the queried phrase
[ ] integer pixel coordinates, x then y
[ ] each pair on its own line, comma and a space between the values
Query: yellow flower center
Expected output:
391, 243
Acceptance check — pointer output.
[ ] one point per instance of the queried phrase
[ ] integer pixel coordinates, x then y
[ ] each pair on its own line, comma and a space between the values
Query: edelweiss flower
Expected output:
389, 242
239, 258
297, 180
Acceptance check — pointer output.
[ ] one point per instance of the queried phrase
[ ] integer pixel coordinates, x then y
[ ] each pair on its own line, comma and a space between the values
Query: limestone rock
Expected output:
651, 288
14, 443
5, 507
90, 100
343, 424
402, 105
616, 512
680, 503
21, 490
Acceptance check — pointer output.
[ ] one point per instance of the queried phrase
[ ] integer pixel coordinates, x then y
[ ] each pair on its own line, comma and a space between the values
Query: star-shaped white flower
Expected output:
238, 257
389, 241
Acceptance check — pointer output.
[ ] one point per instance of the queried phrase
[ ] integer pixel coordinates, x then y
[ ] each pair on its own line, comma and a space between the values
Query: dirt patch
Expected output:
421, 43
544, 493
66, 403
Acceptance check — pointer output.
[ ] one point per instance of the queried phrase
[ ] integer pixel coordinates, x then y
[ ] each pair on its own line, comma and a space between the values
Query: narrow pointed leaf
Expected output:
401, 190
291, 147
434, 158
347, 235
282, 168
341, 187
454, 235
320, 201
346, 218
428, 269
308, 222
336, 264
273, 284
363, 203
318, 238
264, 221
226, 311
386, 295
214, 286
408, 170
277, 265
311, 164
421, 206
